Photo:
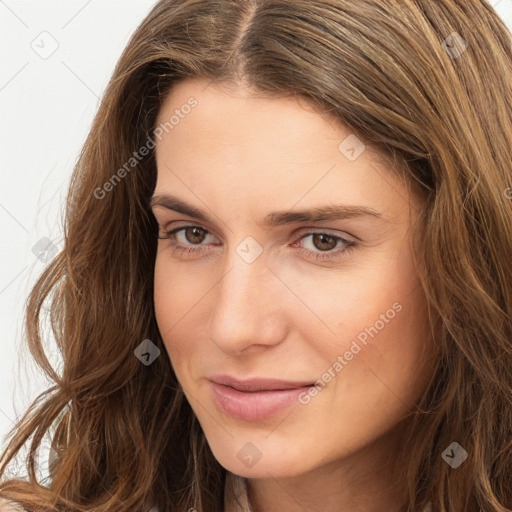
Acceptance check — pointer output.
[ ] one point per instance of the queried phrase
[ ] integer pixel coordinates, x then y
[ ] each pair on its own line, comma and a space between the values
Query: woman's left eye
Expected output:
327, 245
323, 246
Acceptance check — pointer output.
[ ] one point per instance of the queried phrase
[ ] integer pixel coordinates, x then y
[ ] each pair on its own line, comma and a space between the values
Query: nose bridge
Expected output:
243, 284
243, 312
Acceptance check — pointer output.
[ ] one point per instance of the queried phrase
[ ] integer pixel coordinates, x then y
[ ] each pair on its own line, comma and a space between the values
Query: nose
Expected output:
248, 308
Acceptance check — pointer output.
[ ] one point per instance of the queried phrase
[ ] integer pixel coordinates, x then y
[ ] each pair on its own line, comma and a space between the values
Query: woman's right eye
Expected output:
187, 239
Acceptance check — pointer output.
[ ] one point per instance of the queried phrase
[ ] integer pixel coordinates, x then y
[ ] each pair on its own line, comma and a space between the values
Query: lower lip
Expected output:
256, 405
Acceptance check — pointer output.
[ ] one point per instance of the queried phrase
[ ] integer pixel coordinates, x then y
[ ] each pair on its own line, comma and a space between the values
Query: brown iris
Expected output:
321, 240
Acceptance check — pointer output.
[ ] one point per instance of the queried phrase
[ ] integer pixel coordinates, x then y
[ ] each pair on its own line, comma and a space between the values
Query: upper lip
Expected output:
258, 383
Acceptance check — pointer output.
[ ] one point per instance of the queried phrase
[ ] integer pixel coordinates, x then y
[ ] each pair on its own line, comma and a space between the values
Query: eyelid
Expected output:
326, 231
171, 226
297, 232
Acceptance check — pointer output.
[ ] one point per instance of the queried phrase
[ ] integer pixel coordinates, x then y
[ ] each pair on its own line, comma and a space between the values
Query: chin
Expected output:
261, 458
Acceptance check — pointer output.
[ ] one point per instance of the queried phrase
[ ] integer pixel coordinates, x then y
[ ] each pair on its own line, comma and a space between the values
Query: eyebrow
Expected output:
322, 213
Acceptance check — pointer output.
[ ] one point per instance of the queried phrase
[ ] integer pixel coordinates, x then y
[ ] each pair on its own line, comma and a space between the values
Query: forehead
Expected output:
231, 116
240, 143
228, 123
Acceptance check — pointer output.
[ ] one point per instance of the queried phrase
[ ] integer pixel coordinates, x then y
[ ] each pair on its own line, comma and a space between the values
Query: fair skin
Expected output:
287, 315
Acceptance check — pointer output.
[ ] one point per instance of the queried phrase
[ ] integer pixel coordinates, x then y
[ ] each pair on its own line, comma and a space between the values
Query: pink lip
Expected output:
254, 399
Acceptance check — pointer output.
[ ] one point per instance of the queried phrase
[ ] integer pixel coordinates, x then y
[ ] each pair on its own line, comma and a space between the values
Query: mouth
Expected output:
255, 399
259, 384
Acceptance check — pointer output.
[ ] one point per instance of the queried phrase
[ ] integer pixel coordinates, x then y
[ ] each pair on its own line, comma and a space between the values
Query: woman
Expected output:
286, 277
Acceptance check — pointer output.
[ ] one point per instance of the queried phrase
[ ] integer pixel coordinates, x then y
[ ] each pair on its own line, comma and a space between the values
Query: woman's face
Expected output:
292, 263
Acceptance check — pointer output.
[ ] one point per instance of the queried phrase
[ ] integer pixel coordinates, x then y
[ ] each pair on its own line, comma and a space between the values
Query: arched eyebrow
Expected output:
277, 218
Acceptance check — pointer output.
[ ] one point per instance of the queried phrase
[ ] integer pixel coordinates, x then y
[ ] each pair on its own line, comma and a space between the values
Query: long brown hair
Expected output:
428, 83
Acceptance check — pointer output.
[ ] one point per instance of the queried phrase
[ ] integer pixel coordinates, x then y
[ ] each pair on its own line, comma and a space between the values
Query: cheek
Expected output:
177, 289
172, 299
163, 298
181, 307
386, 348
380, 328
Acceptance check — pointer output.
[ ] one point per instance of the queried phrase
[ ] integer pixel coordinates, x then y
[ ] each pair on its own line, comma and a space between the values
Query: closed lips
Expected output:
255, 399
258, 384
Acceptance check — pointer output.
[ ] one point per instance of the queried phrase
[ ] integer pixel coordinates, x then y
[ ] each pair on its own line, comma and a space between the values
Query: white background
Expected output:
47, 106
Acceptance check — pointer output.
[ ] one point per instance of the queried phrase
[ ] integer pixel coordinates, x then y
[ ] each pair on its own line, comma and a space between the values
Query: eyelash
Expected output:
349, 245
